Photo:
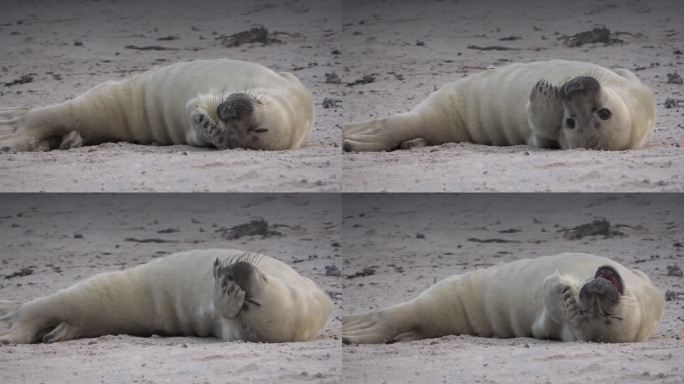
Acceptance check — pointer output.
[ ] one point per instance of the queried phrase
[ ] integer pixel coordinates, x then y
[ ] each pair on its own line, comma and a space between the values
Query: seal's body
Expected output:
221, 293
221, 103
548, 104
568, 297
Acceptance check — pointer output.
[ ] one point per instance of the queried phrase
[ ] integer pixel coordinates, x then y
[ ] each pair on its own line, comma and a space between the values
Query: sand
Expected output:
409, 48
362, 60
63, 239
413, 48
412, 241
67, 47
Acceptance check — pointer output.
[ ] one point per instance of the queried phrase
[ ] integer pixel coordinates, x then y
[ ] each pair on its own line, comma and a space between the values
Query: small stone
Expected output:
332, 270
670, 103
332, 78
674, 78
673, 270
330, 103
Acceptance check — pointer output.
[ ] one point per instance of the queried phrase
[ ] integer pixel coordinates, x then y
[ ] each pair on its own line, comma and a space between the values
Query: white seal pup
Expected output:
546, 104
227, 294
218, 103
567, 297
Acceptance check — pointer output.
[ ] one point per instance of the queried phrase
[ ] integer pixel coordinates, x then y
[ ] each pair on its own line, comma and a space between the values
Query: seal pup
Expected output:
218, 103
227, 294
546, 104
567, 297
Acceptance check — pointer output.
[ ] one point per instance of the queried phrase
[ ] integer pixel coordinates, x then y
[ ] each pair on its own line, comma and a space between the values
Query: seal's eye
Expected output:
604, 113
570, 123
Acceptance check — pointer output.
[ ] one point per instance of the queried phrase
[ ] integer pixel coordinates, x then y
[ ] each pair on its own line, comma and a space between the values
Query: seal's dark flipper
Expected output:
7, 311
418, 142
545, 111
62, 332
581, 86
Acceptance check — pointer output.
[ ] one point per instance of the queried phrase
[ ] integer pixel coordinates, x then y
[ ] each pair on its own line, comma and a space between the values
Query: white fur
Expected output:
519, 299
492, 108
174, 296
156, 107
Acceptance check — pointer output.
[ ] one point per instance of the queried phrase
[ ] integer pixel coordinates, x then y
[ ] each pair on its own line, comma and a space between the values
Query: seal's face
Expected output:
593, 116
252, 122
236, 285
603, 307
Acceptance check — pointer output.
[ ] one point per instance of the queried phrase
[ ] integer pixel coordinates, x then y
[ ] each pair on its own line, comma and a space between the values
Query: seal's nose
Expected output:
239, 273
601, 290
581, 85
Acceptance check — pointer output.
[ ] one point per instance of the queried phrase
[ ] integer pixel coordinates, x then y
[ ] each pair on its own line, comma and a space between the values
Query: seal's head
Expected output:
613, 309
236, 281
237, 114
599, 305
605, 117
257, 119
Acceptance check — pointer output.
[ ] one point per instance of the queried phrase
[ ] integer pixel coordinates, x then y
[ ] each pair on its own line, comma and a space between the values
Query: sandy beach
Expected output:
357, 224
51, 242
412, 241
67, 47
411, 49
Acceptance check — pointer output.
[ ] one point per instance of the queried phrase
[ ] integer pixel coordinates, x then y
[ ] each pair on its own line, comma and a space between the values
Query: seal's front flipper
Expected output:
545, 114
560, 298
229, 296
62, 332
418, 142
209, 130
72, 139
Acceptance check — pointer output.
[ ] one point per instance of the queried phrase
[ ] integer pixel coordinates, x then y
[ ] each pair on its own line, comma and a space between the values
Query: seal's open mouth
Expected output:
610, 274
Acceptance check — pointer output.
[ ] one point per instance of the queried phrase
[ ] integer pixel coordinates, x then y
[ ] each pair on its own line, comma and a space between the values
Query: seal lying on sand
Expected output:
568, 297
547, 104
227, 294
219, 103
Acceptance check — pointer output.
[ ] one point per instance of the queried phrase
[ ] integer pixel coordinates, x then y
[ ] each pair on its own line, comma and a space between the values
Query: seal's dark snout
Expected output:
239, 272
235, 107
601, 290
581, 85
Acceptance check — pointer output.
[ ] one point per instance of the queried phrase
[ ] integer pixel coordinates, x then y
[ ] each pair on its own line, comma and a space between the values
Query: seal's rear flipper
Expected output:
11, 115
9, 125
370, 136
381, 134
368, 328
7, 311
388, 326
8, 306
545, 113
